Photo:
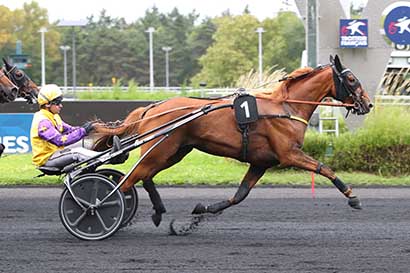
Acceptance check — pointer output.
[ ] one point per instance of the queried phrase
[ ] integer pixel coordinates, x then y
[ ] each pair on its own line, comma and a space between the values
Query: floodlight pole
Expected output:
64, 49
74, 61
312, 32
73, 24
167, 49
43, 56
260, 30
151, 30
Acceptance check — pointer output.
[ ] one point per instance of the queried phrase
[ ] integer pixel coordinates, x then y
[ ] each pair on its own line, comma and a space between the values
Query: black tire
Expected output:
131, 196
88, 222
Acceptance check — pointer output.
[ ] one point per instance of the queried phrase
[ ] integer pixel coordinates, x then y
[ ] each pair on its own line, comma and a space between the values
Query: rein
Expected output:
164, 113
334, 104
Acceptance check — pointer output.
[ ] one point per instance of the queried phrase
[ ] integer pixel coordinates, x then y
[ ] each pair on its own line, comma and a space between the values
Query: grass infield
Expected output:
197, 168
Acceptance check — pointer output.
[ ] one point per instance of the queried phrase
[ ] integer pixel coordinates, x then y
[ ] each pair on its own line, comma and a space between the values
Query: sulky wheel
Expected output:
131, 196
90, 220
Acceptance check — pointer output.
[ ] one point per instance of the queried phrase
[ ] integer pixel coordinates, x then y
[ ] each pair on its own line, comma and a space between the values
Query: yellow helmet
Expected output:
48, 93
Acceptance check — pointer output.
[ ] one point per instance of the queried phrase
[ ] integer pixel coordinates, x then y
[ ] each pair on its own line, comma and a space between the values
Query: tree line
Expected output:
214, 50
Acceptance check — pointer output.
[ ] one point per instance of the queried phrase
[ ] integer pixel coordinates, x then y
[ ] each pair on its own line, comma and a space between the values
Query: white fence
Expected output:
381, 100
205, 92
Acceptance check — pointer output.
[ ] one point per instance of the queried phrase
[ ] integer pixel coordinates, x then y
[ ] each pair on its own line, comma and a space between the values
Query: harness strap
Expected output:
245, 140
299, 119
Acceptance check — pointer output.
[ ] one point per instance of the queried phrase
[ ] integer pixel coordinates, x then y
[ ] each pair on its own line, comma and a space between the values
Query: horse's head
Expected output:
27, 89
348, 88
8, 91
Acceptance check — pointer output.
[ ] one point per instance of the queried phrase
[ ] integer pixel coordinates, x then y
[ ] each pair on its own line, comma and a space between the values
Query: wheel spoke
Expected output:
94, 193
101, 221
82, 201
109, 204
78, 220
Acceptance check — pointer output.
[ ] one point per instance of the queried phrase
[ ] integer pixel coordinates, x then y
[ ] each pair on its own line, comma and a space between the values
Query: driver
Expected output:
50, 134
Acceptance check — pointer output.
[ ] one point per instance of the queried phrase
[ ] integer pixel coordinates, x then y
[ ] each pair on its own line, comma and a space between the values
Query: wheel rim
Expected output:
94, 222
130, 196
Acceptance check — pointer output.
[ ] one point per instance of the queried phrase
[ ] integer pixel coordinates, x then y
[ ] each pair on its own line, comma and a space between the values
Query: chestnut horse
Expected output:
27, 89
276, 137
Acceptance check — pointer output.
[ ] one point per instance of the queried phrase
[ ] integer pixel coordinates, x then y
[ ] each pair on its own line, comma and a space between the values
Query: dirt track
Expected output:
274, 230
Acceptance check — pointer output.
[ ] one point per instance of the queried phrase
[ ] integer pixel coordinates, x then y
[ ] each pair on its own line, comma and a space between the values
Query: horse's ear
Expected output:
332, 61
338, 63
8, 66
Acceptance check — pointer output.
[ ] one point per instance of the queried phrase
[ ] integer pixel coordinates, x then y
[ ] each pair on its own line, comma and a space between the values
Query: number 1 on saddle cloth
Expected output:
246, 112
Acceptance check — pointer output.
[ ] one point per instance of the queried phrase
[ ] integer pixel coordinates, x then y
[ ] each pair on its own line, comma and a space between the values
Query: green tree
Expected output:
283, 41
103, 51
200, 39
7, 29
24, 24
174, 32
235, 50
233, 53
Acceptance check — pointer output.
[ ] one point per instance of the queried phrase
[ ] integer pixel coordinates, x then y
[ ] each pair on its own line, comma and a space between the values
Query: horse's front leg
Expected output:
252, 176
297, 158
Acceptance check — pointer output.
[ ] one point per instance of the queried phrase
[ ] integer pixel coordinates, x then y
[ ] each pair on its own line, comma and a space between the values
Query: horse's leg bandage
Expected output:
319, 167
342, 187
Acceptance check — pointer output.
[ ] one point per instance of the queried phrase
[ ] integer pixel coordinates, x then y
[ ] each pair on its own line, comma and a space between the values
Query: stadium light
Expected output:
64, 48
43, 30
260, 30
166, 49
151, 30
73, 24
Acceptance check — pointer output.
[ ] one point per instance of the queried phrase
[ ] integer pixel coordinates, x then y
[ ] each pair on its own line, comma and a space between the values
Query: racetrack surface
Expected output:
273, 230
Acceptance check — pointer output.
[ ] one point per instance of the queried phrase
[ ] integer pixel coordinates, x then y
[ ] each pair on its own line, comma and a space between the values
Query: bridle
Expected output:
346, 88
20, 81
2, 91
343, 88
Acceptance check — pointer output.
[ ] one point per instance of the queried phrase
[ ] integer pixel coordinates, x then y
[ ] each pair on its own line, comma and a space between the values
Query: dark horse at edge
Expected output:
15, 83
276, 138
23, 86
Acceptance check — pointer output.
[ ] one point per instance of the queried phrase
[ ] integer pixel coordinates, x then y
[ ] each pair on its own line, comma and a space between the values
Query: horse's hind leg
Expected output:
252, 176
156, 201
154, 196
299, 159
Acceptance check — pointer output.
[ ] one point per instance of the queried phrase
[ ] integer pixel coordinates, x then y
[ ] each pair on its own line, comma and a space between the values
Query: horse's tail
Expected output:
105, 131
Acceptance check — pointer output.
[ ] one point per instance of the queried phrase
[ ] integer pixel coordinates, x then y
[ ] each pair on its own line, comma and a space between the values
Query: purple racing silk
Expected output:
67, 136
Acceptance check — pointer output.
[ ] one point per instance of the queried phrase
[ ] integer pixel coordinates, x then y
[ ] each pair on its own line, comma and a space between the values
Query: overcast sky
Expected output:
132, 10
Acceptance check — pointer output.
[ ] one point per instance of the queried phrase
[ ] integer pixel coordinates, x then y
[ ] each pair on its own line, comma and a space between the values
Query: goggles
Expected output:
57, 101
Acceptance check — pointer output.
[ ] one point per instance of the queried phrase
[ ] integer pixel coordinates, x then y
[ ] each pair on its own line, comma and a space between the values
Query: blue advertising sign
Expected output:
15, 132
397, 25
353, 33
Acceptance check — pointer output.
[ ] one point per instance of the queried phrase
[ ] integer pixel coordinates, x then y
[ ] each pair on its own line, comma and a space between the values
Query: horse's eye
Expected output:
351, 78
19, 74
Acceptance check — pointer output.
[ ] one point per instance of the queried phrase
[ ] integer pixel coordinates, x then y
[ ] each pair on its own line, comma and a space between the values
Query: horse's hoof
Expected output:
354, 202
156, 219
172, 230
199, 209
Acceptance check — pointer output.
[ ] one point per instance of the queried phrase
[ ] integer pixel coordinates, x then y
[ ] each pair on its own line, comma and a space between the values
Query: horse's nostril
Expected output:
370, 105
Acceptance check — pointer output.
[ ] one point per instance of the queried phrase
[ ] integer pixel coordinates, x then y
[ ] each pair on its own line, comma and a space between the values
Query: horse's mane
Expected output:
276, 90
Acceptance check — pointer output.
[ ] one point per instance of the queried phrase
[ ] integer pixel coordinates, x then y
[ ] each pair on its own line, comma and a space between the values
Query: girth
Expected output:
244, 129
